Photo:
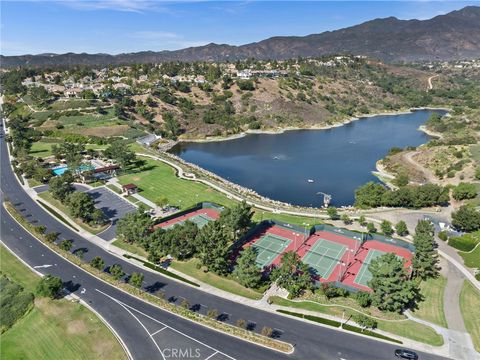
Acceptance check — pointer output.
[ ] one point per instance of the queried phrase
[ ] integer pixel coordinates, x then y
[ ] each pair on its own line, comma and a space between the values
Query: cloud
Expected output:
138, 6
163, 40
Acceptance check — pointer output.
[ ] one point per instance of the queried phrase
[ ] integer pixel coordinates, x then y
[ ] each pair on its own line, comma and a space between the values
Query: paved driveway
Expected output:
114, 208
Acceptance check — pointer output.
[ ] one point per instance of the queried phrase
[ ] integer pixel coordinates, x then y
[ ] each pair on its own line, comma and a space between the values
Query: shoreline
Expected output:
316, 127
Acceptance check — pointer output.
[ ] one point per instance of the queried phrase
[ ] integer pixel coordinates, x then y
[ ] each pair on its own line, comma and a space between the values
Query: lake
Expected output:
338, 160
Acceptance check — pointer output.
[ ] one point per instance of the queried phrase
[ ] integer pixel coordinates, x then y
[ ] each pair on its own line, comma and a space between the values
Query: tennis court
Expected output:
323, 256
364, 275
200, 220
269, 247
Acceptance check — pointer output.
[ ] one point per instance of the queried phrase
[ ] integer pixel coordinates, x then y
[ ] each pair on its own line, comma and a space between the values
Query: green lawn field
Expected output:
157, 180
431, 309
471, 259
54, 329
405, 328
44, 149
470, 308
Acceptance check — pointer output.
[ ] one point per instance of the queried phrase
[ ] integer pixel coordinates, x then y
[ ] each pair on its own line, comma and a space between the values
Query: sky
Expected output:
122, 26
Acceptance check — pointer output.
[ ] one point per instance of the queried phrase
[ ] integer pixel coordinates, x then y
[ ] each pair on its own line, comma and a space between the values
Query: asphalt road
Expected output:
151, 333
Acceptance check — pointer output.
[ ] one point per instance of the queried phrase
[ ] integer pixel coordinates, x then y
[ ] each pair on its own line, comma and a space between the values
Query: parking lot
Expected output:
113, 206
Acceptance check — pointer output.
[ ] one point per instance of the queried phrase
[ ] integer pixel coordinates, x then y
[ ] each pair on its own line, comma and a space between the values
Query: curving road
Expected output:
151, 333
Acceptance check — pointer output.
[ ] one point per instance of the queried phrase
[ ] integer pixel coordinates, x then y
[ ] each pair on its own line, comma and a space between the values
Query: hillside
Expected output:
455, 35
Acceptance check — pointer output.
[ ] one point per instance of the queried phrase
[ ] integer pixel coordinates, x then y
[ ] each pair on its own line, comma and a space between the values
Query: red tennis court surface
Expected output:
205, 212
296, 238
350, 262
372, 245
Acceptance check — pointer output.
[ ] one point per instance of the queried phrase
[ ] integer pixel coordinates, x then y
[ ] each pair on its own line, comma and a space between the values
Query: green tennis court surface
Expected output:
364, 275
323, 256
200, 220
269, 247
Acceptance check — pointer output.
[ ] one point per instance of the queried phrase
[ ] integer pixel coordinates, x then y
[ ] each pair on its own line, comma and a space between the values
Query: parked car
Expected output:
406, 354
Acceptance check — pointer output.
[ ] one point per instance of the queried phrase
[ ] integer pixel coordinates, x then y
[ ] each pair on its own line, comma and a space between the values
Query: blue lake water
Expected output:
338, 160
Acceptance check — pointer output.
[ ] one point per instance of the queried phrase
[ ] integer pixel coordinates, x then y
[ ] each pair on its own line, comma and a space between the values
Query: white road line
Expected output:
156, 332
215, 353
158, 321
136, 318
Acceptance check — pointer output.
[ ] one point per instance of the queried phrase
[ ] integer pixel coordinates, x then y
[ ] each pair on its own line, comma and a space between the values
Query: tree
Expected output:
161, 201
332, 212
81, 205
116, 271
135, 226
171, 125
363, 298
212, 313
267, 331
136, 279
371, 229
247, 272
52, 237
292, 274
241, 323
425, 258
386, 227
98, 263
66, 245
346, 219
362, 220
71, 152
392, 290
466, 218
61, 186
369, 195
120, 153
49, 286
212, 244
401, 228
365, 321
464, 191
237, 219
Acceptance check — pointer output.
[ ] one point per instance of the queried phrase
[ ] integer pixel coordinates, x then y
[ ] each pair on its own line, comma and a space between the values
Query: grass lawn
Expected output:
49, 199
475, 151
134, 249
405, 328
470, 307
190, 268
431, 309
44, 149
157, 179
471, 259
54, 329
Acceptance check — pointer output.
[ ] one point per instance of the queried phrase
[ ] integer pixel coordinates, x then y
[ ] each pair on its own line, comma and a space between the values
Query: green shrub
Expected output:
312, 318
443, 235
363, 298
49, 286
15, 302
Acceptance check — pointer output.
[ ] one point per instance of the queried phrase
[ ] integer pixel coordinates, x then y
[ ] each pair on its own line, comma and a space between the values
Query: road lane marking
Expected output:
42, 266
156, 332
158, 321
215, 353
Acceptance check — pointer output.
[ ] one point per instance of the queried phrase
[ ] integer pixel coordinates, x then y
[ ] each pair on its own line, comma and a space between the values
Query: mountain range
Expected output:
453, 36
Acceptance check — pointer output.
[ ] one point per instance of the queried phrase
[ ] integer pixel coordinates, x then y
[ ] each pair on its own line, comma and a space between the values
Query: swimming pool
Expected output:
62, 169
59, 170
